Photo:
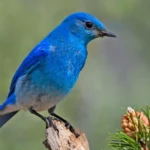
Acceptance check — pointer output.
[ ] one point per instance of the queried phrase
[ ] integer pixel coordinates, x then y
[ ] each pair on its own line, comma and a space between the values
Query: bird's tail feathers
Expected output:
4, 118
7, 110
8, 106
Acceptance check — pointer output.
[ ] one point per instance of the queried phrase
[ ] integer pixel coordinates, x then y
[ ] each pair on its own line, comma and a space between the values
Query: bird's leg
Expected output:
67, 124
47, 120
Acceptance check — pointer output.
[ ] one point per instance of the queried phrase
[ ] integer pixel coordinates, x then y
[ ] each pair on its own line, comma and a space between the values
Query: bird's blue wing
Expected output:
29, 63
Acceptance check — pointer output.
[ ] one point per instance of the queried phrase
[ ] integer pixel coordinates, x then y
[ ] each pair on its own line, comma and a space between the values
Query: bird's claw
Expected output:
71, 128
49, 123
68, 125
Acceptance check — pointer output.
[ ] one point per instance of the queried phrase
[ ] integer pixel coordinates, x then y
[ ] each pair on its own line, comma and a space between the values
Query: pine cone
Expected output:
134, 122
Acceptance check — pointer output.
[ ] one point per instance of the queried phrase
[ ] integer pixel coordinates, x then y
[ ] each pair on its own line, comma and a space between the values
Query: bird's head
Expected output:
86, 27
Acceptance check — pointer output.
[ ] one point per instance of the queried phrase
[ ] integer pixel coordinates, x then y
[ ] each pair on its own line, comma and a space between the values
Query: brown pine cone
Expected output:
134, 122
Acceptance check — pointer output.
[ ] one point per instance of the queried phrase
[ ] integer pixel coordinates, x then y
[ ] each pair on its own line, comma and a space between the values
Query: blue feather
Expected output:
29, 63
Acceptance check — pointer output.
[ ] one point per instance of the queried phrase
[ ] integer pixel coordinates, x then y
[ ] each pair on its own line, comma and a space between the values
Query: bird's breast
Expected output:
62, 70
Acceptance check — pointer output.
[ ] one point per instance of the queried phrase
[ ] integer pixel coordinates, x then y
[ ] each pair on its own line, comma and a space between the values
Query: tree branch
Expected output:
64, 139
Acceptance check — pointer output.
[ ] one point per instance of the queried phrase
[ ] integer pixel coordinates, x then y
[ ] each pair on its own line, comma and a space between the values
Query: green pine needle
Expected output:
121, 141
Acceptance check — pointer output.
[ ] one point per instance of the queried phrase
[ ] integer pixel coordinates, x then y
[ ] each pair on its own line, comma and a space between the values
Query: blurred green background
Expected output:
116, 75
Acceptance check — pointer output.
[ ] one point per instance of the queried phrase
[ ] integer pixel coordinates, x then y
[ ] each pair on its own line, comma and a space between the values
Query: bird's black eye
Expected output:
89, 24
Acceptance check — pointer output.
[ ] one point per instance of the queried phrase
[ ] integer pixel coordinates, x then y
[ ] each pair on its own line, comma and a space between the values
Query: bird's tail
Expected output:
7, 110
4, 118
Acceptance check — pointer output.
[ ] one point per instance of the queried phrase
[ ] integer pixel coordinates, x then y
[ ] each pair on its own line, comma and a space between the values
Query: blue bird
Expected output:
51, 69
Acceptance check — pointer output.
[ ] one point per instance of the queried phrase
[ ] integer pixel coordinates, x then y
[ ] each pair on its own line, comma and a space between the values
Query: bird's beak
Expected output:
103, 33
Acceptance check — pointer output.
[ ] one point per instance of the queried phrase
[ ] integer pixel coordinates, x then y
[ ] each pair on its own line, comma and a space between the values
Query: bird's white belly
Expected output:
45, 102
29, 95
38, 103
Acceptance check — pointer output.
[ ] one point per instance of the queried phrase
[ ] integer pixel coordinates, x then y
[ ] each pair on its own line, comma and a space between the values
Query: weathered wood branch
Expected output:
64, 139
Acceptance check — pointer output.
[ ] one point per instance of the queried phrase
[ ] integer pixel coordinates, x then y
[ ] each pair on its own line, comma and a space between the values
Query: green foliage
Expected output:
121, 141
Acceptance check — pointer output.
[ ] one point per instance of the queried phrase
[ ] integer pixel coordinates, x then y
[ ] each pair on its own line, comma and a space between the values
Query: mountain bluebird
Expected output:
51, 69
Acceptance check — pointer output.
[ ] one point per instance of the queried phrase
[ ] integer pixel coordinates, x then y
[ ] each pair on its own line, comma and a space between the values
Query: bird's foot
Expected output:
49, 123
71, 128
67, 124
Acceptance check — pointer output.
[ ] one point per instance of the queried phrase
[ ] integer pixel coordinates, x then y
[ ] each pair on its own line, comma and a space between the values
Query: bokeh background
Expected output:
116, 75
